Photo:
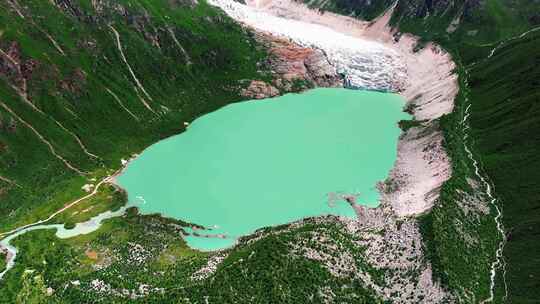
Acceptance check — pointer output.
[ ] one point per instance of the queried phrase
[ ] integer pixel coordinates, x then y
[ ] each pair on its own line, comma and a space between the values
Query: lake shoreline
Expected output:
415, 193
345, 116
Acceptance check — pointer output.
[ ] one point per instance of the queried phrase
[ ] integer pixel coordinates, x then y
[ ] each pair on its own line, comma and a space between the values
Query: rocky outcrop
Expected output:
19, 71
295, 68
394, 246
365, 63
292, 62
258, 89
14, 68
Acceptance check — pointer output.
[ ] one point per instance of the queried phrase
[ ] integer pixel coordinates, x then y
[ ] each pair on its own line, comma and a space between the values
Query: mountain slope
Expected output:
506, 93
84, 83
503, 91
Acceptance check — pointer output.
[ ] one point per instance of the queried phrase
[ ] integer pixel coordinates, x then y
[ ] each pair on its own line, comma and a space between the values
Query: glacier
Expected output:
364, 64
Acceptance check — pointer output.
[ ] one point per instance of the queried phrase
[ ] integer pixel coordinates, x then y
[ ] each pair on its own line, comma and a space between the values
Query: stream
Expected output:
81, 228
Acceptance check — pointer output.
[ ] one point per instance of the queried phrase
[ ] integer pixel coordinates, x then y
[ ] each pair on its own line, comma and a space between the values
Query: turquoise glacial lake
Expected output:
263, 163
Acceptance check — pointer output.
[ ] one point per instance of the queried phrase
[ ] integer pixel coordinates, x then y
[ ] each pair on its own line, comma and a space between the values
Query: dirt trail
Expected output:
502, 43
83, 147
75, 202
16, 7
81, 144
499, 45
119, 101
139, 85
182, 50
55, 44
9, 181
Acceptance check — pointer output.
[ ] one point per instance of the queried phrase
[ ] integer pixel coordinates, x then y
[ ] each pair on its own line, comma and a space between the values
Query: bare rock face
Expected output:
10, 62
17, 71
321, 71
259, 89
296, 67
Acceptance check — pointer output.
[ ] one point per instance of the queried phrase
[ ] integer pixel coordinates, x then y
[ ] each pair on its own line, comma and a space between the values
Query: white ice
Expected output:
364, 64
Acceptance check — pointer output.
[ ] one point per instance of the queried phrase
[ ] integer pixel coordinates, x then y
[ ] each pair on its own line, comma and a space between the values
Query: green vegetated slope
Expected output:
474, 22
506, 121
64, 79
477, 21
363, 9
2, 262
